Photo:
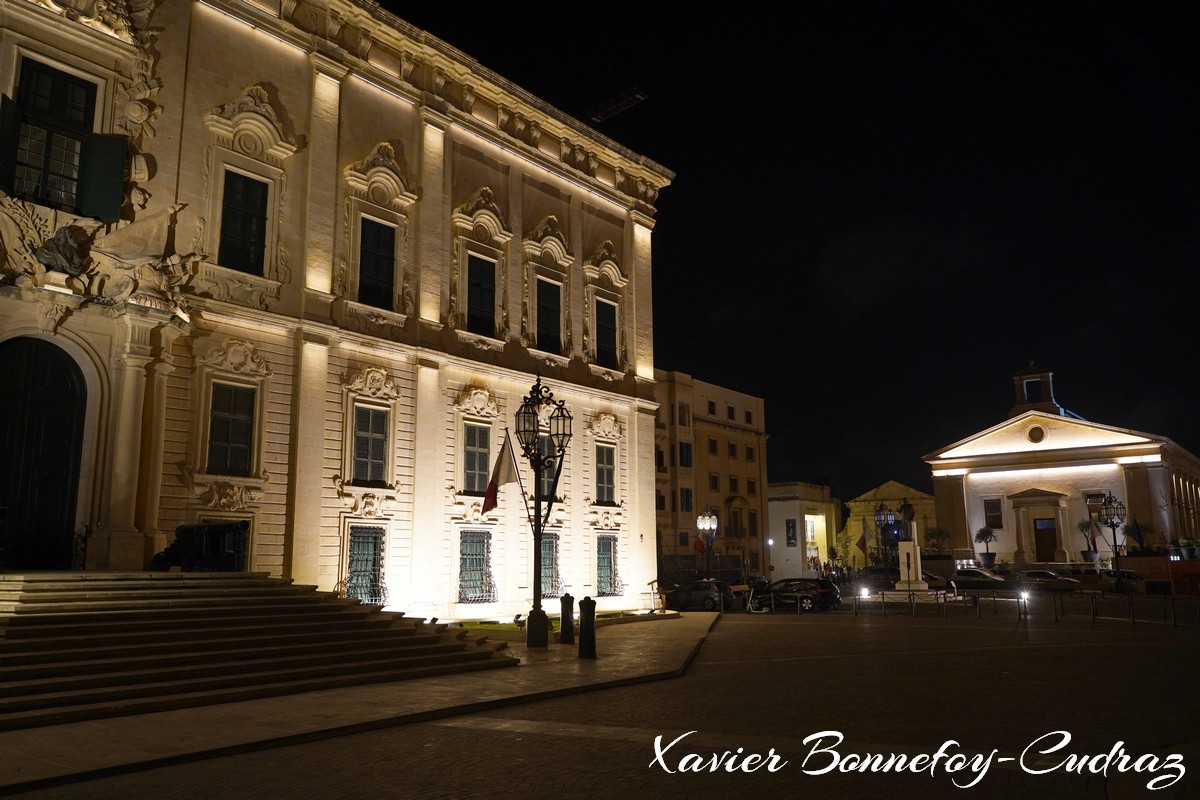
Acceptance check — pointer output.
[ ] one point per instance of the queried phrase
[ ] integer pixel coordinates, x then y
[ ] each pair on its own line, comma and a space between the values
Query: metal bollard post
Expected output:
587, 628
1129, 596
1093, 607
566, 626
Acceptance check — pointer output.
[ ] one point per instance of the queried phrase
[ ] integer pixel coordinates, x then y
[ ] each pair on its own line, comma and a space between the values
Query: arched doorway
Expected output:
42, 403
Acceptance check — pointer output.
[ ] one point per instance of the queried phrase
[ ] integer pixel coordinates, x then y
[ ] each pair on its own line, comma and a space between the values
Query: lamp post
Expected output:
1112, 514
706, 523
884, 516
534, 406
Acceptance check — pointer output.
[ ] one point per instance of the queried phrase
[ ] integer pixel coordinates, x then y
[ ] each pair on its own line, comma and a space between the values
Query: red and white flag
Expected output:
504, 472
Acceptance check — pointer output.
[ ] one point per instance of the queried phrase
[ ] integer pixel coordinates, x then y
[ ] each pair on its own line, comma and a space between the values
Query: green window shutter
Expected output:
102, 184
10, 127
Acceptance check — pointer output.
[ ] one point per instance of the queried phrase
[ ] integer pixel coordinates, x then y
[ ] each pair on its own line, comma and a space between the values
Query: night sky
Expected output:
882, 211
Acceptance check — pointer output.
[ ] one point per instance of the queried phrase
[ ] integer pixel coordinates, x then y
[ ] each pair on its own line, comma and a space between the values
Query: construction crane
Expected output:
615, 105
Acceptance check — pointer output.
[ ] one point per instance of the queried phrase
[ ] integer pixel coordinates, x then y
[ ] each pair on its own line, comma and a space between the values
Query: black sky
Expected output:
883, 210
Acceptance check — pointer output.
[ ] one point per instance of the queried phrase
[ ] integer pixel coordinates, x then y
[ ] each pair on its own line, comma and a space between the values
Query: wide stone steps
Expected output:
84, 645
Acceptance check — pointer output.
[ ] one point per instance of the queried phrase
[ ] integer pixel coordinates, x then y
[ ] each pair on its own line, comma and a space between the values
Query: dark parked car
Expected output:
976, 578
1047, 579
708, 595
784, 595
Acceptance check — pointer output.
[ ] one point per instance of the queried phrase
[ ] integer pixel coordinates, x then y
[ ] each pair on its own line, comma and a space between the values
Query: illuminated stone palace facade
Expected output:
297, 264
1036, 476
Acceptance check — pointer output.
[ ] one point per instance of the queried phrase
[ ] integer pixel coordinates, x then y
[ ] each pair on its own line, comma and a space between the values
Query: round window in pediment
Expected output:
1036, 434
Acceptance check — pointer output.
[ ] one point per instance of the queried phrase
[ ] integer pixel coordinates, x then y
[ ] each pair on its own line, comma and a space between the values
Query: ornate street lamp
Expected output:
529, 428
1112, 514
706, 523
884, 517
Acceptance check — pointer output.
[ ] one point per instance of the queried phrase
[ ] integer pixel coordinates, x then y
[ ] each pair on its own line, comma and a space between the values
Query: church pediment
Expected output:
891, 489
1035, 431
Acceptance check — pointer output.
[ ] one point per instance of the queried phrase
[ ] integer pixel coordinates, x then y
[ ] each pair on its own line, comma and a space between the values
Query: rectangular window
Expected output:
481, 296
475, 584
714, 482
754, 560
364, 574
752, 523
685, 454
549, 316
685, 500
749, 453
476, 455
606, 334
733, 484
751, 487
660, 501
370, 446
712, 447
993, 514
674, 505
608, 583
729, 412
685, 415
712, 408
735, 523
606, 475
231, 430
377, 264
789, 532
733, 449
551, 582
546, 451
749, 417
658, 458
51, 154
243, 224
683, 538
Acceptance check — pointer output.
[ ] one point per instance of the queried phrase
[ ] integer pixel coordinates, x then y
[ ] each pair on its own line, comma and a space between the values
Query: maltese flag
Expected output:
504, 472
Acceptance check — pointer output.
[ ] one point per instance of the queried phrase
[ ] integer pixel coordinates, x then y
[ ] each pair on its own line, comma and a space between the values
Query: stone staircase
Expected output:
86, 645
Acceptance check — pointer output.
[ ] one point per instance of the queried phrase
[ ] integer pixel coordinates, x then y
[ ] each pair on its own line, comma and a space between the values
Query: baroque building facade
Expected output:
298, 264
710, 455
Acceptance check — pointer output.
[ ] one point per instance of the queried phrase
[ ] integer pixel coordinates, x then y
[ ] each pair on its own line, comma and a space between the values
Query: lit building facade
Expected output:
710, 453
1034, 478
804, 518
298, 265
865, 540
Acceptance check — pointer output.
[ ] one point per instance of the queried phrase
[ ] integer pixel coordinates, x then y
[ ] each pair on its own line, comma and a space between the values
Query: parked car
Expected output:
976, 578
784, 595
1046, 579
884, 579
708, 595
1130, 581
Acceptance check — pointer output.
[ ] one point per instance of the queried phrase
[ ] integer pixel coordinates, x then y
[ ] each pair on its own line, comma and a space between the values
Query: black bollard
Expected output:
587, 628
566, 626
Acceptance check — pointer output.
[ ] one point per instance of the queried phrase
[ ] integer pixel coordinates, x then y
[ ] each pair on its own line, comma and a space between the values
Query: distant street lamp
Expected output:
884, 517
706, 523
529, 431
1112, 514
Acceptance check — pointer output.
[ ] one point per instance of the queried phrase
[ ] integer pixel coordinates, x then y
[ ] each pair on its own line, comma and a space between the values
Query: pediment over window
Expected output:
483, 218
605, 426
379, 179
237, 356
372, 382
252, 125
547, 245
602, 267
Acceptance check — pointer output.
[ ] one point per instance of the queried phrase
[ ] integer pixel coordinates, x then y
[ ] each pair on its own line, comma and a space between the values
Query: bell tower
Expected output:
1034, 387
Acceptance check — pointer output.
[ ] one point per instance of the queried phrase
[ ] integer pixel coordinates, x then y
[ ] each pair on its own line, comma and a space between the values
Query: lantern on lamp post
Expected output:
884, 517
706, 523
529, 432
1112, 514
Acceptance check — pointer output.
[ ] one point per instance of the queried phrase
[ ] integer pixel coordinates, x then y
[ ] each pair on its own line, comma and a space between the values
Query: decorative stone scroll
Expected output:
379, 179
251, 125
237, 356
372, 382
605, 426
477, 401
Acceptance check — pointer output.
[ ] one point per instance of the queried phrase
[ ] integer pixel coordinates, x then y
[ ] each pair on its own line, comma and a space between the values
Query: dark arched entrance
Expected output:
42, 403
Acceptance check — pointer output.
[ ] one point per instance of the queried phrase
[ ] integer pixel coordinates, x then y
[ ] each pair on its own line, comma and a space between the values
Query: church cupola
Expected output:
1034, 388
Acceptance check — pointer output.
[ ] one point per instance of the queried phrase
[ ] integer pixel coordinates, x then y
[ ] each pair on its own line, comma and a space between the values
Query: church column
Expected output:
434, 243
307, 419
152, 459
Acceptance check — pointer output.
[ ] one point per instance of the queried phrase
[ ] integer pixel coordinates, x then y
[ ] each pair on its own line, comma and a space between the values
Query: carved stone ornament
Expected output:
371, 502
373, 382
605, 518
107, 16
603, 267
605, 426
237, 356
477, 401
465, 509
481, 212
251, 125
546, 244
232, 286
224, 495
65, 251
379, 179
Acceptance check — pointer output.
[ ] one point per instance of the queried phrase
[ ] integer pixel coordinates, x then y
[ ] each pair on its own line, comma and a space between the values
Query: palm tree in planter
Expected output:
1085, 528
985, 536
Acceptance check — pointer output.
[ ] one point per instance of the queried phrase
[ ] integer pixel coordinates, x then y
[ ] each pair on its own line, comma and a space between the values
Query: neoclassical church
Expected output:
298, 263
1039, 475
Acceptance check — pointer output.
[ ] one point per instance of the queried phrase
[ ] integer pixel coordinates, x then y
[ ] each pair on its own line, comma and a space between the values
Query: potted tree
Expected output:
985, 536
1189, 548
1091, 553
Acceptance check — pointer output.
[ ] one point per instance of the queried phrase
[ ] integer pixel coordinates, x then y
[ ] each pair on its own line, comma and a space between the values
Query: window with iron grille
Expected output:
364, 574
475, 458
481, 296
377, 264
606, 474
608, 583
475, 584
243, 224
551, 580
48, 152
231, 430
370, 446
